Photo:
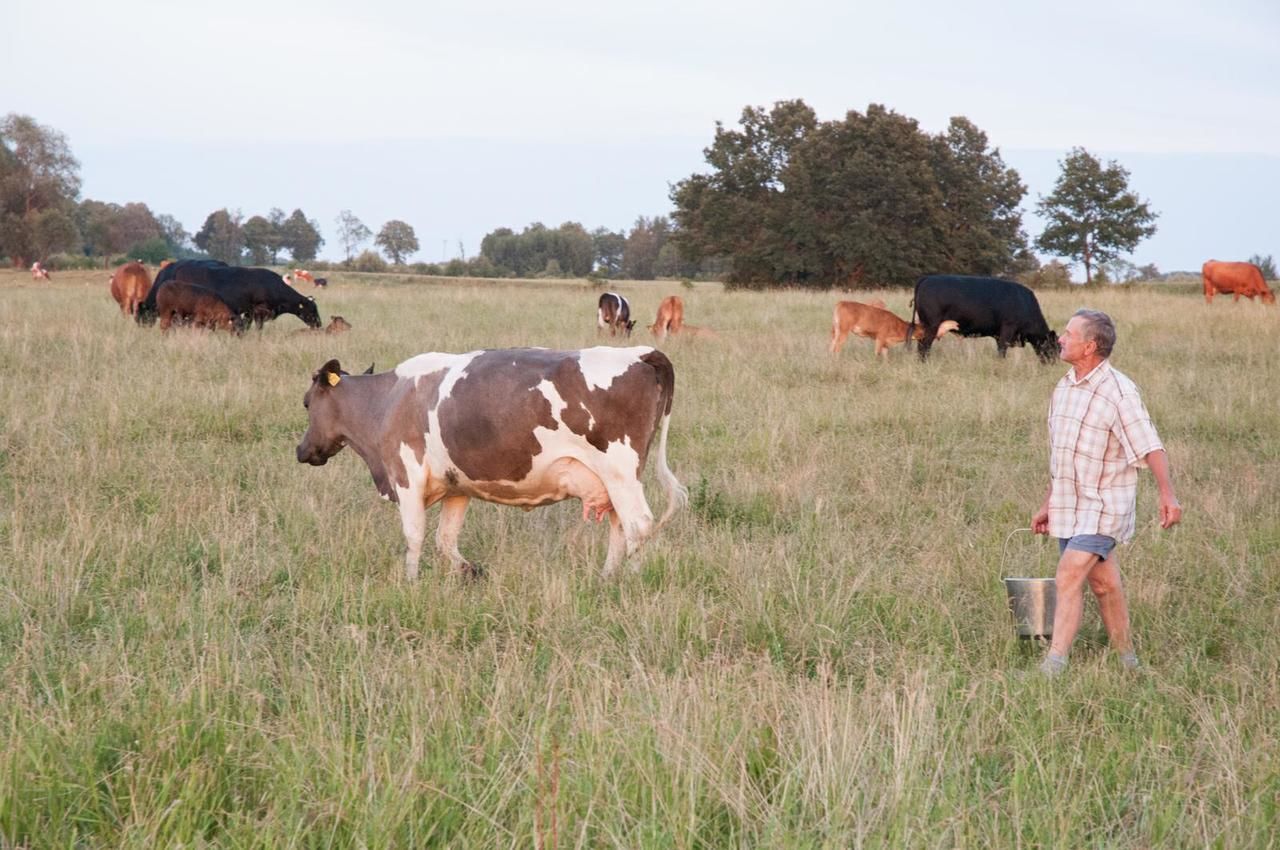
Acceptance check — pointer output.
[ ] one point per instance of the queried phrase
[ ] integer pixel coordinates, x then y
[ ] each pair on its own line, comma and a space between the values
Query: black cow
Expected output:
982, 306
253, 294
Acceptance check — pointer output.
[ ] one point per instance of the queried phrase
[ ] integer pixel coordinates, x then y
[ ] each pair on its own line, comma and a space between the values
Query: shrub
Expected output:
369, 261
1052, 275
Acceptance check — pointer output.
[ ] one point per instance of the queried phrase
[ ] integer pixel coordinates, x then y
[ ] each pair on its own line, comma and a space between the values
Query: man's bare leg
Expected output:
1073, 569
1108, 587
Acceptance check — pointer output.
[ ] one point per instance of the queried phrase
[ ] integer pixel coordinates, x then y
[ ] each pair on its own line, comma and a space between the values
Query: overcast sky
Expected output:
460, 118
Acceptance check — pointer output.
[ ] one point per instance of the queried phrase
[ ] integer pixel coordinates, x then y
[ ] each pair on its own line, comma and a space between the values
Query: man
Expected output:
1099, 435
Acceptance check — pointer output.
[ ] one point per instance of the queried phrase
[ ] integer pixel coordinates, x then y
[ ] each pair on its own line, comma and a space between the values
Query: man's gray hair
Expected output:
1099, 328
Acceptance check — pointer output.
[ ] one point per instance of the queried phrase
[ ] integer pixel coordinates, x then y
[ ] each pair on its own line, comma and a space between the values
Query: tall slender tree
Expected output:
1092, 216
352, 232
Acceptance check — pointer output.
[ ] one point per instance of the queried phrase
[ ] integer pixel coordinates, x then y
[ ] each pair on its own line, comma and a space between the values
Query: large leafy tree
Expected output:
300, 236
259, 238
397, 240
1091, 215
732, 211
222, 236
869, 199
352, 232
39, 184
982, 225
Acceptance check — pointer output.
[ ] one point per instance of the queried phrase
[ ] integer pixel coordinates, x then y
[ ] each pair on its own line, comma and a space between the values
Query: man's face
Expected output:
1073, 345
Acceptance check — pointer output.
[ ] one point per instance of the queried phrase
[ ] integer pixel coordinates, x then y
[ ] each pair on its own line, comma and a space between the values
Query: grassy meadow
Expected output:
204, 643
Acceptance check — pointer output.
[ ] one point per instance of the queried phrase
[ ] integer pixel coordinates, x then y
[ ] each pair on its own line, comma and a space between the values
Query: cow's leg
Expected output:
1004, 340
882, 348
631, 518
453, 509
923, 346
838, 336
413, 518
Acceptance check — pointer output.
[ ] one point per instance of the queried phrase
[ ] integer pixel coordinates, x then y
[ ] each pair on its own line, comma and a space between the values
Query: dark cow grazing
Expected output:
982, 306
613, 312
255, 294
194, 305
129, 286
322, 282
523, 427
1235, 279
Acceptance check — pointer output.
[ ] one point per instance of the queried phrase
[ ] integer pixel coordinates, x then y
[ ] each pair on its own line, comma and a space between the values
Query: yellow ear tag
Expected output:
334, 377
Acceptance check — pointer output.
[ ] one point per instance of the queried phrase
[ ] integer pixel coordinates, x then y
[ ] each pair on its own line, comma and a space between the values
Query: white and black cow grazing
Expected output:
522, 426
613, 312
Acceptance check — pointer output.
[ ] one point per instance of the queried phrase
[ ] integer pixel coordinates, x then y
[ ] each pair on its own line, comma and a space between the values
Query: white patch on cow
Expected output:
600, 365
425, 364
414, 470
552, 395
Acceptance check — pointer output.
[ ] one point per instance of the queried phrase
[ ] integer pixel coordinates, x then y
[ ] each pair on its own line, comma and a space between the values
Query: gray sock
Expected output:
1053, 665
1130, 661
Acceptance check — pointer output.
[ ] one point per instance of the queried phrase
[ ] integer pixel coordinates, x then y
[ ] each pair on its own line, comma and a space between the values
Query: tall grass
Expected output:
204, 643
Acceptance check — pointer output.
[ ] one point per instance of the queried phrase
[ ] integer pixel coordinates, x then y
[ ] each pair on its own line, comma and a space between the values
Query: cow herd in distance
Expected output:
562, 424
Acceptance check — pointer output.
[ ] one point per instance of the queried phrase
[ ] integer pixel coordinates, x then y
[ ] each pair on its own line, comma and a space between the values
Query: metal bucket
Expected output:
1031, 600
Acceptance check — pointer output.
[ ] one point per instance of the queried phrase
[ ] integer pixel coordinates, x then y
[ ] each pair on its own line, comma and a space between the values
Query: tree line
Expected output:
867, 200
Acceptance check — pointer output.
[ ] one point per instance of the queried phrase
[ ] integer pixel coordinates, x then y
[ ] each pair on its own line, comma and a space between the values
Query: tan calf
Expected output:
874, 323
129, 287
670, 317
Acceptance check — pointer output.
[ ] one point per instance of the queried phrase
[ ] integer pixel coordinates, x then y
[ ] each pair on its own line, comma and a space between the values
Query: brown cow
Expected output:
1236, 278
129, 287
874, 323
337, 325
193, 304
670, 317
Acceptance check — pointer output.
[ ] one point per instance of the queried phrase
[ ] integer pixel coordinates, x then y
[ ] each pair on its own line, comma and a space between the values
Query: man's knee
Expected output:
1073, 568
1105, 581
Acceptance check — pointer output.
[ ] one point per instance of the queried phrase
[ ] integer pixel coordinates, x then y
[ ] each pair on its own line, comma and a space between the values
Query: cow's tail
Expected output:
677, 495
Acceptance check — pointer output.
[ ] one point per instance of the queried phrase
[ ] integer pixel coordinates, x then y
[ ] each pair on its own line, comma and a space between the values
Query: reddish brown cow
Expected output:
670, 317
193, 304
129, 287
874, 323
1235, 278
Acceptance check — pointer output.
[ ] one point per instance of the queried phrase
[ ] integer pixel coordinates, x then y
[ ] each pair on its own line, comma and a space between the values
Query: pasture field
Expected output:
204, 643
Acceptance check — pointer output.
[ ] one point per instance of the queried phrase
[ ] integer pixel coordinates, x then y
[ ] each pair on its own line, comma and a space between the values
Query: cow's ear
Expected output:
369, 371
330, 374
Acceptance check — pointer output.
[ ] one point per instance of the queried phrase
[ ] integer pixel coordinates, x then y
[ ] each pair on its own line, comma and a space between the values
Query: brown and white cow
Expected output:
297, 277
129, 287
670, 317
1234, 278
613, 312
194, 305
874, 323
39, 272
524, 427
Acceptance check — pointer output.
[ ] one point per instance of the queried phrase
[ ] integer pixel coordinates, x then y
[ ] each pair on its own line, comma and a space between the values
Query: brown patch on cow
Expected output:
404, 421
451, 475
623, 411
489, 417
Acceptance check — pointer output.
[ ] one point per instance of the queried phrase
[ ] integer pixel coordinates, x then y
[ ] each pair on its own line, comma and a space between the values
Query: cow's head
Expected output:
1268, 297
323, 438
1046, 347
309, 312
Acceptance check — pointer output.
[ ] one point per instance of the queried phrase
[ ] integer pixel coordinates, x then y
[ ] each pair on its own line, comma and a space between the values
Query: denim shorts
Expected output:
1099, 544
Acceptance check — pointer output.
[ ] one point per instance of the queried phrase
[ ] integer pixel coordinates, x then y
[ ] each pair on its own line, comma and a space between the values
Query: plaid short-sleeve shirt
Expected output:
1099, 436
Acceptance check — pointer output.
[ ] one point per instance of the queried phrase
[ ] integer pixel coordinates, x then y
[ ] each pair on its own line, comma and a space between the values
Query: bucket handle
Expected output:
1004, 550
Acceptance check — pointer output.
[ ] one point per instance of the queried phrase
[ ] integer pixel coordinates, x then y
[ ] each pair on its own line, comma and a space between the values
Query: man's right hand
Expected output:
1040, 522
